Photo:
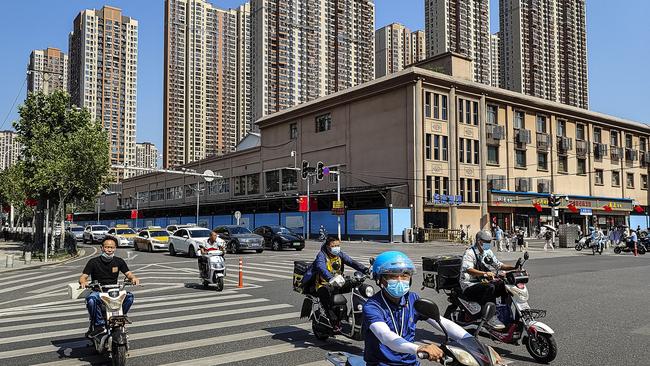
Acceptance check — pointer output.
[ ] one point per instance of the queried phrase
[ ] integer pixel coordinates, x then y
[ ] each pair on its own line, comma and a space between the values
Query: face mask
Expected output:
397, 288
335, 251
107, 257
487, 246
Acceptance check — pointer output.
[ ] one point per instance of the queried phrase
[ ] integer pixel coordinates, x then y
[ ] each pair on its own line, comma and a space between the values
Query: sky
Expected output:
618, 46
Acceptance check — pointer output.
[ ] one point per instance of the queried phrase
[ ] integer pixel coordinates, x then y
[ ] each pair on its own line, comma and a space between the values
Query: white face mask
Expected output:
107, 257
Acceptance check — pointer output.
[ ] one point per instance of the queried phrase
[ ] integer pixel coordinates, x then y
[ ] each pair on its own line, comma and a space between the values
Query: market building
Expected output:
414, 148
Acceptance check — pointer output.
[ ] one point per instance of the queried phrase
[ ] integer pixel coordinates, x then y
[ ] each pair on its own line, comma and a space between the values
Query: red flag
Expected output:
638, 209
537, 206
302, 204
572, 207
69, 217
134, 214
607, 208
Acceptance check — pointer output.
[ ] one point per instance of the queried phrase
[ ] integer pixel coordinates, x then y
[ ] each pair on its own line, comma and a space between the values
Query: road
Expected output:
598, 306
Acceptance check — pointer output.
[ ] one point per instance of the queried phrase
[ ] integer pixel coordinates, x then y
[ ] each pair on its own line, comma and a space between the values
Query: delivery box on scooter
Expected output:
299, 269
441, 272
74, 292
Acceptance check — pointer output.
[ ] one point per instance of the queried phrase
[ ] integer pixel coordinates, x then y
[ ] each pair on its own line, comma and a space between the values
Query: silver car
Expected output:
239, 238
77, 231
95, 233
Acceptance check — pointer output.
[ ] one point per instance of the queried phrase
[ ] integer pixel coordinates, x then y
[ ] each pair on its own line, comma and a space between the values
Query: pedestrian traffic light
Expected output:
305, 167
319, 170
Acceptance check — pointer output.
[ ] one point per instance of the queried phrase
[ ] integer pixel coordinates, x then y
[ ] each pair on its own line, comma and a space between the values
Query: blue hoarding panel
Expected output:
401, 220
188, 220
328, 221
221, 220
267, 219
295, 221
205, 221
161, 221
639, 220
367, 222
173, 220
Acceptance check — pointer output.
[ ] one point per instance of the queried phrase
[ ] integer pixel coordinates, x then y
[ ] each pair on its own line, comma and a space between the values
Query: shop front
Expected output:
529, 211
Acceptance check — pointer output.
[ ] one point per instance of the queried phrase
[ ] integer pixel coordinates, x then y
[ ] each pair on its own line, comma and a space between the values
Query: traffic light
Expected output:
305, 167
319, 170
554, 201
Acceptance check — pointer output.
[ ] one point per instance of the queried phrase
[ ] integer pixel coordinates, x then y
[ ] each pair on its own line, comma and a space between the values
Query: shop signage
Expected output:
523, 200
586, 212
338, 208
443, 199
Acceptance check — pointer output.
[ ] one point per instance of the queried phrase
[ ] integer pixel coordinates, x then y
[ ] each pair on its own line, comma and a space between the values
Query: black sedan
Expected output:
279, 237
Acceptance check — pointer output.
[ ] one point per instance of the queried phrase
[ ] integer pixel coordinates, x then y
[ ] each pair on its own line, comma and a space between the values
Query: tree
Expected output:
12, 190
65, 154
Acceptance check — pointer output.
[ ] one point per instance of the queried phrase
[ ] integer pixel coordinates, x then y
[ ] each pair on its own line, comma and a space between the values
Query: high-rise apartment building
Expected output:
146, 156
207, 80
544, 49
9, 149
306, 49
47, 70
396, 47
463, 27
103, 50
495, 61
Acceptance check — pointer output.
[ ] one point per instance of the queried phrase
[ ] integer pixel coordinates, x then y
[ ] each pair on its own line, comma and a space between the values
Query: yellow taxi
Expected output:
151, 239
124, 235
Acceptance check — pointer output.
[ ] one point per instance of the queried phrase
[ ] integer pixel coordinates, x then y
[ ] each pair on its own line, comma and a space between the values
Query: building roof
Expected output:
253, 139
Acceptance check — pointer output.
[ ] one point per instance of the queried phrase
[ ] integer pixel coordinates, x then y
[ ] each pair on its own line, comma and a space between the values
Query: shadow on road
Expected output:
73, 348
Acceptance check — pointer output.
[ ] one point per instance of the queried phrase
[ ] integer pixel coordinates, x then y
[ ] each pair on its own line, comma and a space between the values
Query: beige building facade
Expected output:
103, 47
452, 151
47, 70
207, 80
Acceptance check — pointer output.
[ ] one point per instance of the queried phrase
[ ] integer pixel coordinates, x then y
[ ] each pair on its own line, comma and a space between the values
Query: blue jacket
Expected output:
320, 267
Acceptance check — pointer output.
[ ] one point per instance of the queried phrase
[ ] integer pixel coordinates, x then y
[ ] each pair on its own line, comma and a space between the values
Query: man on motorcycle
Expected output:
213, 242
329, 266
474, 270
104, 269
389, 317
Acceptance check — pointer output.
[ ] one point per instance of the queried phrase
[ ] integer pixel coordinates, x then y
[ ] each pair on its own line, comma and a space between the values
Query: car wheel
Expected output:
172, 251
260, 250
276, 245
234, 247
191, 252
135, 247
299, 249
150, 248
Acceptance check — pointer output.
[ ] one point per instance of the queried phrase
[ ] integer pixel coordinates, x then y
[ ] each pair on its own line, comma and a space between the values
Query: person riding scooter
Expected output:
389, 316
477, 281
104, 269
213, 242
328, 266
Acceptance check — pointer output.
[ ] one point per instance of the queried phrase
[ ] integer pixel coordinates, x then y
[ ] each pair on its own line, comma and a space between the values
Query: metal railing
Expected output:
438, 234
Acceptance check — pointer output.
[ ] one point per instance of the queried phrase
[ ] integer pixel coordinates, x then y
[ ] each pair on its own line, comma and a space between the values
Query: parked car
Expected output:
94, 233
77, 231
171, 229
124, 234
279, 237
151, 239
187, 240
240, 238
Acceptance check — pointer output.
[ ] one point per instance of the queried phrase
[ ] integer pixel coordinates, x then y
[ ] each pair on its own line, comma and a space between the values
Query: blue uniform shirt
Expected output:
376, 353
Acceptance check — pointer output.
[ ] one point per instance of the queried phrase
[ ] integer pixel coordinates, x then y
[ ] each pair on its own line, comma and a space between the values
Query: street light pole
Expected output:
308, 206
198, 194
98, 206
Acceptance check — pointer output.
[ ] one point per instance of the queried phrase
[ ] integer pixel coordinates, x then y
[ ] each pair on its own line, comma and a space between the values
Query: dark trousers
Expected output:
483, 293
203, 266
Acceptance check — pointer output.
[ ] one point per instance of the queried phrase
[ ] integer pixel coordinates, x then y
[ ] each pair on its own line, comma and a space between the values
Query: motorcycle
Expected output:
597, 245
212, 270
520, 324
627, 246
583, 243
113, 340
464, 351
350, 318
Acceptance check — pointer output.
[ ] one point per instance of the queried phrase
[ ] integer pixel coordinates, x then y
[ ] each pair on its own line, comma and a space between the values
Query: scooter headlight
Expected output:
368, 291
495, 357
113, 304
217, 265
464, 357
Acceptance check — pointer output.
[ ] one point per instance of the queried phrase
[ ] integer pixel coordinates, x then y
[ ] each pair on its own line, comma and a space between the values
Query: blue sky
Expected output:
618, 46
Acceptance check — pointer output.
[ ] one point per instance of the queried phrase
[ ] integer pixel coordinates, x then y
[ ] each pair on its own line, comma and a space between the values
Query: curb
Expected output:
82, 255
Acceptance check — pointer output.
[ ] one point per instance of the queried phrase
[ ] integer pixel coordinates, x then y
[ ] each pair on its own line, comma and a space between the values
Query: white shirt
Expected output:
469, 261
218, 244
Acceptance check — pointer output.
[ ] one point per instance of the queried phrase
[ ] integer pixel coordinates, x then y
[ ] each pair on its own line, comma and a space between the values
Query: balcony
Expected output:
582, 148
631, 155
543, 141
564, 144
616, 153
600, 150
522, 138
494, 134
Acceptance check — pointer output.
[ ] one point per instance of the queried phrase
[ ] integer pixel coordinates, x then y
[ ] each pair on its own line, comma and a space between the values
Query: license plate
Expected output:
296, 244
115, 313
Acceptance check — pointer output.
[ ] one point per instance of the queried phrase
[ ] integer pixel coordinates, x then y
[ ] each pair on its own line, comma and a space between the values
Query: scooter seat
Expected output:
339, 300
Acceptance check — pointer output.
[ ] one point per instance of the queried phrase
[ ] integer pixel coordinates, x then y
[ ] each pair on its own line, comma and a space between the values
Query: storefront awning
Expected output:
499, 198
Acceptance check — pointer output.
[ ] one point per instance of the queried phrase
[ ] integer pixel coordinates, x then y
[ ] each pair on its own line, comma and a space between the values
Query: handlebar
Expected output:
424, 355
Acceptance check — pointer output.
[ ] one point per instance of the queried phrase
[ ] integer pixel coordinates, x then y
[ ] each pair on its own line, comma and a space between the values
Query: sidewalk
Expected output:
11, 257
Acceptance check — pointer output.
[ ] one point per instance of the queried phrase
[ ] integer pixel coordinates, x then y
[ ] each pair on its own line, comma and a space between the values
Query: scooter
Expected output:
464, 351
213, 269
583, 243
627, 246
351, 319
597, 245
521, 322
114, 340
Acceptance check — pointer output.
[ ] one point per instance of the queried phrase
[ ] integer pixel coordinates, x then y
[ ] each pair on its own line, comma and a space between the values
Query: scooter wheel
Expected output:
206, 284
617, 250
578, 247
220, 284
321, 336
641, 250
542, 347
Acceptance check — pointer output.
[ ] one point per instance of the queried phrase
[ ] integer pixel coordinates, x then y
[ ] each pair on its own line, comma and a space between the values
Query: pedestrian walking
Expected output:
498, 236
520, 239
548, 236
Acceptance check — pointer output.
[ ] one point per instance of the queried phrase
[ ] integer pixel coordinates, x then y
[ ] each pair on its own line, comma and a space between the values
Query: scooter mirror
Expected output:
526, 256
358, 275
489, 310
371, 260
427, 309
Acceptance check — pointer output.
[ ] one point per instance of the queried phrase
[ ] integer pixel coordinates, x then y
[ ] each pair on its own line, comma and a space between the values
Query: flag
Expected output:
607, 208
572, 207
537, 206
638, 209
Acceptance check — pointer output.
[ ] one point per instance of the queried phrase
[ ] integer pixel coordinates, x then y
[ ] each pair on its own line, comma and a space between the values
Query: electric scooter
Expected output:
212, 270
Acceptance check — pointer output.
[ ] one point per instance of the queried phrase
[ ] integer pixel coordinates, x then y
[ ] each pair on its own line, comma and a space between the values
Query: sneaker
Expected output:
495, 323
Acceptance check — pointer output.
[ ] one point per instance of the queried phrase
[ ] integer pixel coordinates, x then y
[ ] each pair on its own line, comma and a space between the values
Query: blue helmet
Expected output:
392, 262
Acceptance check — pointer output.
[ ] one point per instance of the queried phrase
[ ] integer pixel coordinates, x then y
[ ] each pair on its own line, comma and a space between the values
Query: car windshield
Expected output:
199, 233
100, 228
281, 230
158, 233
239, 230
125, 231
76, 229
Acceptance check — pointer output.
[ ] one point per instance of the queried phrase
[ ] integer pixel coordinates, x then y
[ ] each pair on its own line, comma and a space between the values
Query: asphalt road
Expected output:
598, 307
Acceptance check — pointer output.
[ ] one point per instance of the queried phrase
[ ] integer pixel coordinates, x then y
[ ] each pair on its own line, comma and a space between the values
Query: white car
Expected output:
95, 233
187, 240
